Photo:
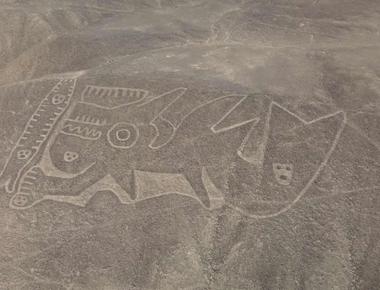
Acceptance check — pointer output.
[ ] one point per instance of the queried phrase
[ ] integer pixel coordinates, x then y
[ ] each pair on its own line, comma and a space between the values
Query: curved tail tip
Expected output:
21, 201
8, 183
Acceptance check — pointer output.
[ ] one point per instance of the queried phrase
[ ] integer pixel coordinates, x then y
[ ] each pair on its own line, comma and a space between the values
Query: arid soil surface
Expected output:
189, 144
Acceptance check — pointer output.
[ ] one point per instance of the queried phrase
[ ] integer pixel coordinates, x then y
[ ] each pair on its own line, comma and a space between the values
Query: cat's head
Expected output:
281, 159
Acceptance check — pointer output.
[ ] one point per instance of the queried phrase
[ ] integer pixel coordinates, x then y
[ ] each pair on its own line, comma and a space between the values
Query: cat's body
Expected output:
110, 144
260, 165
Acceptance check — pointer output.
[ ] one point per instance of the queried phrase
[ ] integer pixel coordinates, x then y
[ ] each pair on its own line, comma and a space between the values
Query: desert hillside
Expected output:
189, 144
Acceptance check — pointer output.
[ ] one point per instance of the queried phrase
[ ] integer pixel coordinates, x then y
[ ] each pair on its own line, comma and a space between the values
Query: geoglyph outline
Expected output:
106, 179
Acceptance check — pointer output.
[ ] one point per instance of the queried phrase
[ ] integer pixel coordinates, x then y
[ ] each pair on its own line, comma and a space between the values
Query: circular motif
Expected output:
58, 99
24, 154
123, 135
70, 156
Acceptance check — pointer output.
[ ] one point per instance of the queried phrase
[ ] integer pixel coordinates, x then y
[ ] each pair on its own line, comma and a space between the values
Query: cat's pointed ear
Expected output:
275, 118
244, 111
323, 131
281, 119
287, 129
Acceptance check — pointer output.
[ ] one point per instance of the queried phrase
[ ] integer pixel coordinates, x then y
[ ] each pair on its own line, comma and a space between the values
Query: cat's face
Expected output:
283, 173
287, 159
